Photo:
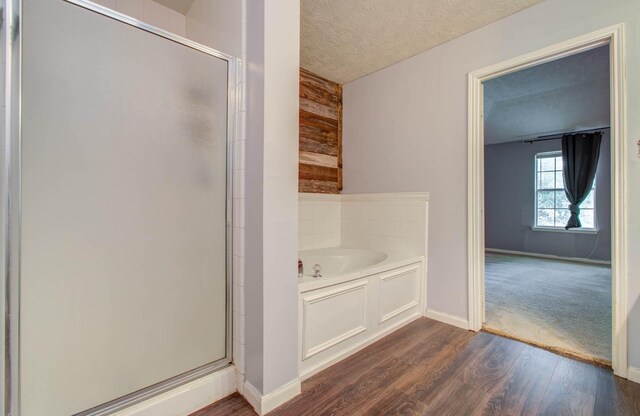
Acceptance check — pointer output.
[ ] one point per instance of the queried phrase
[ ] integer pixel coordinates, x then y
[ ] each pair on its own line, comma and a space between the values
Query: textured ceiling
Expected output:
181, 6
568, 94
343, 40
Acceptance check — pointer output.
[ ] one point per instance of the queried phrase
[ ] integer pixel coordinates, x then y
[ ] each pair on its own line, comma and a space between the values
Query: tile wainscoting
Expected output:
393, 222
388, 222
318, 220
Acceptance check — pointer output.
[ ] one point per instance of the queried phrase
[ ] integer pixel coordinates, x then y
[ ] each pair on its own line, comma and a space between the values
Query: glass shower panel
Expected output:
168, 15
213, 23
123, 267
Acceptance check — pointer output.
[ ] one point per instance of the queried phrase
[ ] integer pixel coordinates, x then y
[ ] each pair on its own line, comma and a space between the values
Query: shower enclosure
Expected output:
116, 208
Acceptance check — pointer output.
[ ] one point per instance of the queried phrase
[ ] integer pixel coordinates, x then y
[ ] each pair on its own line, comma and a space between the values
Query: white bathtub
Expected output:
362, 295
335, 260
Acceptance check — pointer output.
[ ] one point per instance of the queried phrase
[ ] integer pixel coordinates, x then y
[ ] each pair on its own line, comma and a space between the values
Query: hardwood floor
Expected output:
430, 368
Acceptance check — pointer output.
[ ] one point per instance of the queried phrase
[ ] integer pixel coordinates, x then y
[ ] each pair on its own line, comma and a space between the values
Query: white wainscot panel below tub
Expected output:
347, 314
333, 316
399, 292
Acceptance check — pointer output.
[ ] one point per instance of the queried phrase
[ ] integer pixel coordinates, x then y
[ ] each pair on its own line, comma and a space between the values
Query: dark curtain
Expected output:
580, 153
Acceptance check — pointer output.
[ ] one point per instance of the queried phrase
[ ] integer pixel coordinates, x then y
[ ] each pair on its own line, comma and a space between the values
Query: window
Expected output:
552, 205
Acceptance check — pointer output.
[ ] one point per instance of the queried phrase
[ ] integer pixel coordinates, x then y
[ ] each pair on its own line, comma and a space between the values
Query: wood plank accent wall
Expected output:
320, 154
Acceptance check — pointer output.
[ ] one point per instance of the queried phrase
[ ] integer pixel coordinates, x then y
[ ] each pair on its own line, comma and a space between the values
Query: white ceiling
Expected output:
343, 40
568, 94
181, 6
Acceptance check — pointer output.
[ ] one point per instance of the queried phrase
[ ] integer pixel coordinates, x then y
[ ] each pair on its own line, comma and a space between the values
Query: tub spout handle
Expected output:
316, 270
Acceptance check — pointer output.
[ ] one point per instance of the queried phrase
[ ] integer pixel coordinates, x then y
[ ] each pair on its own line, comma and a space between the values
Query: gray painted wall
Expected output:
510, 204
405, 129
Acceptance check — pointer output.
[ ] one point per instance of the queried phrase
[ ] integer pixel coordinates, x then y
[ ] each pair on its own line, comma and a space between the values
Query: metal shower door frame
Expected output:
11, 38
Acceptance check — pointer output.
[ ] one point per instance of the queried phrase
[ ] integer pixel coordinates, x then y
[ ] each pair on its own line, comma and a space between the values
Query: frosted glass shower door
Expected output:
124, 197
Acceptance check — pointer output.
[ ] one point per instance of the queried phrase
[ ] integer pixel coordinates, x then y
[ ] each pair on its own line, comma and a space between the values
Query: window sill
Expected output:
571, 231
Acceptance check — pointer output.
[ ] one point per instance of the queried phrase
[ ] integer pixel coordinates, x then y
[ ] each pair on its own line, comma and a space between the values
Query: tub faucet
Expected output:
316, 270
300, 269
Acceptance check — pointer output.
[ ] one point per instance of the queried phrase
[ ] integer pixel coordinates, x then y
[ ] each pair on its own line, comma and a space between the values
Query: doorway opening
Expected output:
545, 284
594, 287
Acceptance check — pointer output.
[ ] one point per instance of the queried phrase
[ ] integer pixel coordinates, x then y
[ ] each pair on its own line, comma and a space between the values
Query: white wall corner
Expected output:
240, 380
447, 319
264, 404
633, 374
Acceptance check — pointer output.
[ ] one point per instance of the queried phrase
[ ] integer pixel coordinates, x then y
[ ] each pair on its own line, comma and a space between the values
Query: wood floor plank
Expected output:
424, 391
396, 344
380, 366
472, 385
430, 368
234, 404
526, 384
616, 396
572, 389
395, 402
329, 384
403, 370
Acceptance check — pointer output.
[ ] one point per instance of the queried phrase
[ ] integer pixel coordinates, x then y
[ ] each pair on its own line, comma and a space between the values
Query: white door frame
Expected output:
614, 36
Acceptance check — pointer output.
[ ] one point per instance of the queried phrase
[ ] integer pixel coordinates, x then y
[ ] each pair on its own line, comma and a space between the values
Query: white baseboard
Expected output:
268, 402
187, 398
447, 319
252, 395
546, 256
633, 374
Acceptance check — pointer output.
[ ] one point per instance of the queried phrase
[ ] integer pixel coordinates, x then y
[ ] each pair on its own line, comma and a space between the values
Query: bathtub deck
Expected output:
428, 367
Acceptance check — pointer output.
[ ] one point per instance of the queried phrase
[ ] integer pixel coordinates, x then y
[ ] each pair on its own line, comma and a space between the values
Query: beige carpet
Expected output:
557, 304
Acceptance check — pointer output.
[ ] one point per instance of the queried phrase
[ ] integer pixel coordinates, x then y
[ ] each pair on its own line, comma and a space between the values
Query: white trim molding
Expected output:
187, 398
569, 231
417, 196
614, 37
415, 272
633, 374
306, 196
447, 319
546, 256
307, 301
264, 404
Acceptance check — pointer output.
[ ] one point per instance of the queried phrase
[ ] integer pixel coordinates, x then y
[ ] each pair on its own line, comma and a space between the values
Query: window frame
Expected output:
554, 228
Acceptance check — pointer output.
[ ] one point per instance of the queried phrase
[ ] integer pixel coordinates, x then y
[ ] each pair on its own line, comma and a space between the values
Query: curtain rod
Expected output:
559, 135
